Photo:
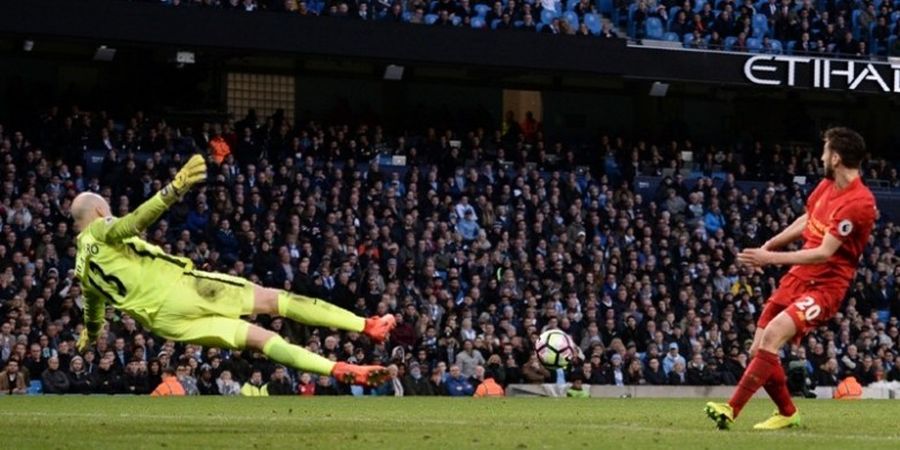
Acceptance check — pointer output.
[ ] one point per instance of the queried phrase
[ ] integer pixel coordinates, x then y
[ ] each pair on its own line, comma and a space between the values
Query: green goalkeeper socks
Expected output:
279, 350
315, 312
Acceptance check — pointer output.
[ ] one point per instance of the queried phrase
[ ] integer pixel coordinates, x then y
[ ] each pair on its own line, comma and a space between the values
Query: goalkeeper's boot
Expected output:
378, 328
778, 421
721, 414
361, 375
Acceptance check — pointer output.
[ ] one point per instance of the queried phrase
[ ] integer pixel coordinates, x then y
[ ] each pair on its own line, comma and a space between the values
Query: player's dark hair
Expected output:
848, 144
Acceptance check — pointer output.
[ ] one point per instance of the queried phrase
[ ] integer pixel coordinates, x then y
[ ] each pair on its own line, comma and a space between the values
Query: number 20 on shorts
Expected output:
809, 308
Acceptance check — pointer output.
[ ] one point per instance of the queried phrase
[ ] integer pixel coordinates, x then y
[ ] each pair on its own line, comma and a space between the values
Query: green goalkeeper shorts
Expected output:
204, 308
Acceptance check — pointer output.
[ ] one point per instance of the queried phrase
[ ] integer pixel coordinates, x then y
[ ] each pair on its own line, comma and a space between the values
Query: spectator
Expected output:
279, 383
13, 380
226, 385
458, 384
577, 390
468, 359
183, 372
206, 384
414, 383
53, 380
107, 379
254, 387
169, 386
80, 381
325, 386
672, 358
393, 387
306, 386
534, 372
489, 387
654, 374
678, 377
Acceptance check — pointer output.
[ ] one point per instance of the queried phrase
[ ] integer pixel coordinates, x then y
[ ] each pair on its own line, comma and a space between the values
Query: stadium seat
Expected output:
673, 12
477, 22
35, 388
481, 10
456, 20
570, 4
494, 24
430, 18
572, 18
606, 7
687, 39
760, 25
776, 47
754, 45
671, 37
653, 28
789, 47
592, 21
406, 16
547, 16
729, 42
854, 23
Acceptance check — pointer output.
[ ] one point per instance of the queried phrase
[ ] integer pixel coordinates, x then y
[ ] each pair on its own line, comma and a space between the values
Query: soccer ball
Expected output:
555, 349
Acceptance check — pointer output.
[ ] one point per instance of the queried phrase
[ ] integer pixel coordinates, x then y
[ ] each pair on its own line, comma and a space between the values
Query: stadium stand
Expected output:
862, 29
475, 239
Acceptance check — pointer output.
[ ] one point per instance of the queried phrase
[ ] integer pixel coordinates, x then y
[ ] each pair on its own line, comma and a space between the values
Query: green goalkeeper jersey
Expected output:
116, 267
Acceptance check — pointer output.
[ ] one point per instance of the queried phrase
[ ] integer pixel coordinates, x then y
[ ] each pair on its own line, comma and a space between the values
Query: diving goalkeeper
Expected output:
167, 295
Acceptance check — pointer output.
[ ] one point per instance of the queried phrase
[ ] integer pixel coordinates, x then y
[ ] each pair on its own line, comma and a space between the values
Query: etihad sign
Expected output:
822, 73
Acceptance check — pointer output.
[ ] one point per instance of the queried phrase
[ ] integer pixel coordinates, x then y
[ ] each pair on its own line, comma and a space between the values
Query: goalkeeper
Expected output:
167, 295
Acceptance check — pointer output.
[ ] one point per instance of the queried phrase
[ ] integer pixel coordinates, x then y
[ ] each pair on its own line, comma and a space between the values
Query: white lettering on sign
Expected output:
821, 73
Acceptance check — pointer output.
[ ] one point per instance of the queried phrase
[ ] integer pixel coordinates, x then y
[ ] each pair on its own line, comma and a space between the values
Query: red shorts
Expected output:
810, 304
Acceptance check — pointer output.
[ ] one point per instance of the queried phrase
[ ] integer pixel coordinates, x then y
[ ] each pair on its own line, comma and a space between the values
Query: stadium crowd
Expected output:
482, 241
860, 29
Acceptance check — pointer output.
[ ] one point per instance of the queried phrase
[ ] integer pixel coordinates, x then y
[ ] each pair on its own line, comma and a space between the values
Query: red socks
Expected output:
764, 370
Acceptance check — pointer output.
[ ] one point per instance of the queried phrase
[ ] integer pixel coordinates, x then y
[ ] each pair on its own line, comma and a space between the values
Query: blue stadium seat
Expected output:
854, 23
547, 16
894, 16
671, 37
760, 25
572, 18
789, 47
606, 7
456, 20
592, 21
698, 6
673, 12
754, 45
482, 10
729, 42
35, 388
776, 46
687, 39
653, 28
406, 16
477, 22
430, 18
494, 24
570, 4
518, 23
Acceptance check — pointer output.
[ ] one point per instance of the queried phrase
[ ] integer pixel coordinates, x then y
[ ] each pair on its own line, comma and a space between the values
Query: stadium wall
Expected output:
699, 392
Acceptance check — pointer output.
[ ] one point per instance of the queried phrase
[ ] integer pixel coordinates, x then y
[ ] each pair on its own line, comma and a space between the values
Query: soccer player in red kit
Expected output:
840, 214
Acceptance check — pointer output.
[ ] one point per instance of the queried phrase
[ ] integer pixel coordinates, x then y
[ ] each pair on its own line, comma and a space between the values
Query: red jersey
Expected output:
847, 214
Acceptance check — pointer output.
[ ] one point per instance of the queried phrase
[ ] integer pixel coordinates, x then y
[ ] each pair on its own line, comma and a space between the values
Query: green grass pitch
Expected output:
424, 423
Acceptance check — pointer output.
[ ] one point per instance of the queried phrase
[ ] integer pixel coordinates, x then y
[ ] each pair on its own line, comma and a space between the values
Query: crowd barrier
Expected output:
699, 392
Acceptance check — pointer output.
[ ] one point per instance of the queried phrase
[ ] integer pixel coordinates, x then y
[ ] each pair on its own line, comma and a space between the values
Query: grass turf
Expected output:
422, 423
